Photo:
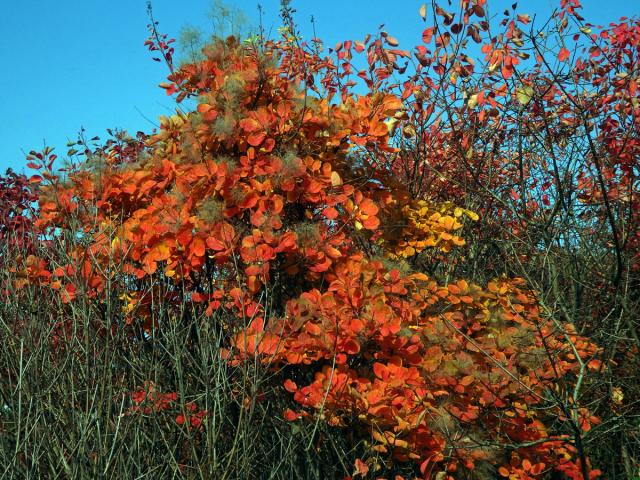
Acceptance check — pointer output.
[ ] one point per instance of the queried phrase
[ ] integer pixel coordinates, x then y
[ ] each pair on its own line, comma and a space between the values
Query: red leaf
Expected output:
427, 35
290, 386
198, 297
563, 55
269, 144
290, 415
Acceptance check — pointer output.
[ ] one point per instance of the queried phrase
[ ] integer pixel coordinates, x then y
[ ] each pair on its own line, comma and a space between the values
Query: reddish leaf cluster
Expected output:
17, 196
148, 401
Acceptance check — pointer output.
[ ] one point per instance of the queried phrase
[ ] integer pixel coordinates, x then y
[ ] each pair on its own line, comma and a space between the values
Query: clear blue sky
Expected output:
68, 64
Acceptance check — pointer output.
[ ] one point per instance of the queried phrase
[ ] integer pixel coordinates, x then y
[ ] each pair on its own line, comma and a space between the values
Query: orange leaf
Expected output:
198, 247
349, 346
330, 213
377, 128
207, 111
264, 253
268, 344
249, 125
356, 325
255, 139
368, 207
381, 371
214, 244
371, 223
361, 467
563, 55
312, 328
391, 104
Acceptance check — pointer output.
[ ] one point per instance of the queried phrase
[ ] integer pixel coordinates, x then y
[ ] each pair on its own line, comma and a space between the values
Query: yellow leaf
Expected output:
423, 11
393, 41
391, 125
617, 396
524, 94
472, 215
409, 131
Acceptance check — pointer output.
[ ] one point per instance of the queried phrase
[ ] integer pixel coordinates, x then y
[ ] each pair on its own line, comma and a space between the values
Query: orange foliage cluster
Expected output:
439, 375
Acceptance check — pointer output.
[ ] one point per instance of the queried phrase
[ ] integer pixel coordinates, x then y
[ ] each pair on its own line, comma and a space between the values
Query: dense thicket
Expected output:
357, 261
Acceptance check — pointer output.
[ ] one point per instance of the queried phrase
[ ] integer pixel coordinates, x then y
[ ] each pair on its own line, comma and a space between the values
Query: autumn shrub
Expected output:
313, 270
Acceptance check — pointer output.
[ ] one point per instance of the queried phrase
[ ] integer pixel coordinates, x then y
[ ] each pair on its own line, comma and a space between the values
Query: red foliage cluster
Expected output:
148, 401
17, 196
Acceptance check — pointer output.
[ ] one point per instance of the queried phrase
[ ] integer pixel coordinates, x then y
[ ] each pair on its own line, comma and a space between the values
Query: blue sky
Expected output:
69, 64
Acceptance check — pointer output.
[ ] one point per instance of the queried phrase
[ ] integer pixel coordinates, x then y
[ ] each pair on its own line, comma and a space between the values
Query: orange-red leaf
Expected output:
564, 54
